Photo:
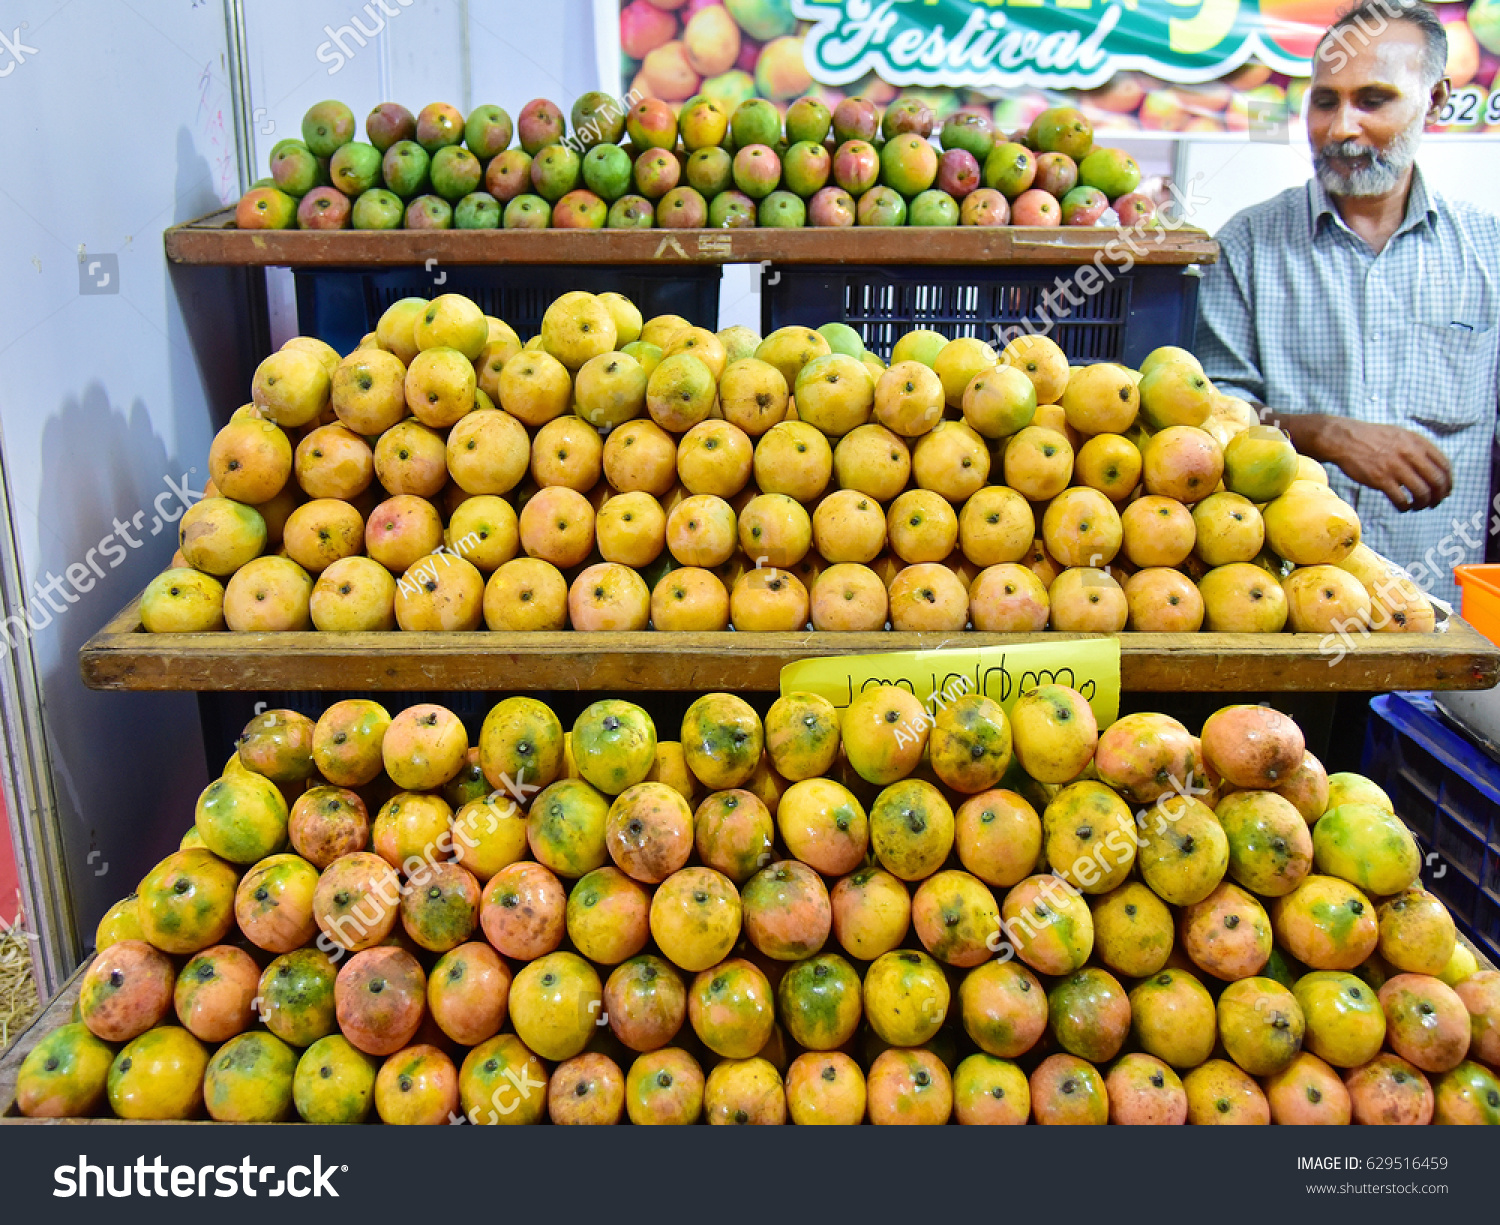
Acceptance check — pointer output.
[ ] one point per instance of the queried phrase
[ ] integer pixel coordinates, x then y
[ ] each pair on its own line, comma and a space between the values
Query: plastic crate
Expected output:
1481, 598
1448, 793
340, 305
1138, 311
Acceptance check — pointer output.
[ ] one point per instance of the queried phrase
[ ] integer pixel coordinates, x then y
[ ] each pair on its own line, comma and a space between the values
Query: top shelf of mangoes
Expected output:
615, 474
703, 164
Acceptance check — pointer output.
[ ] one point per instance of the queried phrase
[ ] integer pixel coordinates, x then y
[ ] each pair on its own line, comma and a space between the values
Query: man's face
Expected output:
1366, 109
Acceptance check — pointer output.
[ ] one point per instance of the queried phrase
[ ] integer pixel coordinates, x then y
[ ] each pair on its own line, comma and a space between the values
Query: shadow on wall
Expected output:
127, 767
218, 314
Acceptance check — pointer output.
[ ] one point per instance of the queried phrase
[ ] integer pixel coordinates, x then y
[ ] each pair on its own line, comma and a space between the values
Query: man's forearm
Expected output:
1309, 432
1411, 470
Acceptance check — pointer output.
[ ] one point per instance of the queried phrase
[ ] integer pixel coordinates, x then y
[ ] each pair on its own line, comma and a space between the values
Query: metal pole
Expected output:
239, 92
26, 772
465, 57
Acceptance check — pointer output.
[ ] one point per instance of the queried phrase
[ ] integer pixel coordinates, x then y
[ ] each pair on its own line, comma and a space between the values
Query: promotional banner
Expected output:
1168, 66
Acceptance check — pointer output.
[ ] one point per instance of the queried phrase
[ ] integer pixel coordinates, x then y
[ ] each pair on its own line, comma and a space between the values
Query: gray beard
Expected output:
1383, 173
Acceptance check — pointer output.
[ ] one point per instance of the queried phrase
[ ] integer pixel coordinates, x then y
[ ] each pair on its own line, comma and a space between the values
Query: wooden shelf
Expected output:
214, 240
123, 656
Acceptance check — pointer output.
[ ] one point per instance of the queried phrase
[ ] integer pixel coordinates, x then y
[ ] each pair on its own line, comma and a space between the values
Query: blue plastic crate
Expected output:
1124, 320
1447, 790
339, 305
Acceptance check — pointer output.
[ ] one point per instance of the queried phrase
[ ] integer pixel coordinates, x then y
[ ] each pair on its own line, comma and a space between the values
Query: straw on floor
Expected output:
18, 997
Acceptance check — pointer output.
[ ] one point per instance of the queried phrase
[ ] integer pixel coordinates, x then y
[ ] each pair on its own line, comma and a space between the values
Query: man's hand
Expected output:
1411, 471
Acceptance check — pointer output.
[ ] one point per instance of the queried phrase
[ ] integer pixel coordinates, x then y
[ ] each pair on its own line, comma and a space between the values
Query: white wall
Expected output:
116, 127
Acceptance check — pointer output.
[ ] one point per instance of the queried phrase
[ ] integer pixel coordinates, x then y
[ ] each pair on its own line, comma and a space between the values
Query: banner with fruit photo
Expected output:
1170, 66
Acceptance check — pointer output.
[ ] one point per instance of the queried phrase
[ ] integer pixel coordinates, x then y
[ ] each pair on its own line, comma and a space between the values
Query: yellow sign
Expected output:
1091, 666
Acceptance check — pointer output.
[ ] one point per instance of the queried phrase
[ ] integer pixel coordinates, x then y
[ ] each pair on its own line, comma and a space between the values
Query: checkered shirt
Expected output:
1298, 313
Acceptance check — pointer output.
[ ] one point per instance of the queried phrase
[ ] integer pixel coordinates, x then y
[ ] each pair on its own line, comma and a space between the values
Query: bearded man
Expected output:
1361, 311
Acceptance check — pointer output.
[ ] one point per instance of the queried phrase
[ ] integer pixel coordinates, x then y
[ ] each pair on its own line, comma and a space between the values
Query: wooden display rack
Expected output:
213, 240
122, 656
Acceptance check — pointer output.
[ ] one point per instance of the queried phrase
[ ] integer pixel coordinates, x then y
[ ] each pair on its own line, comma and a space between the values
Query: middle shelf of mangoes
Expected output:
613, 474
619, 474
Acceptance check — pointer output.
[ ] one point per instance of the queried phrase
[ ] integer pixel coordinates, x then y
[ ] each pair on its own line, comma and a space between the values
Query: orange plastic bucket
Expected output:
1481, 598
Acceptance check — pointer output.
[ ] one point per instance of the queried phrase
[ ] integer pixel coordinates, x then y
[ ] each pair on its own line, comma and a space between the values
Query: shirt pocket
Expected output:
1456, 369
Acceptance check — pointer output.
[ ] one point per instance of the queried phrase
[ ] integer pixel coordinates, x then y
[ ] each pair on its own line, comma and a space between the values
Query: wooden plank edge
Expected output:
205, 241
222, 219
114, 660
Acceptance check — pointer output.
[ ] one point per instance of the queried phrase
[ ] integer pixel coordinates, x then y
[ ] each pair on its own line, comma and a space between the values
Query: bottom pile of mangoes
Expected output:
896, 912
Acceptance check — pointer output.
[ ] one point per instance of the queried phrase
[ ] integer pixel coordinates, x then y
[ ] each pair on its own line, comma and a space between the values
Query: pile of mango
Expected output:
615, 473
903, 911
707, 162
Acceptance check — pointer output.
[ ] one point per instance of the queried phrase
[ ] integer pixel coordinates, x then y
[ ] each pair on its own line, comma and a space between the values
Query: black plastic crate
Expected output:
339, 305
1447, 791
1123, 321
